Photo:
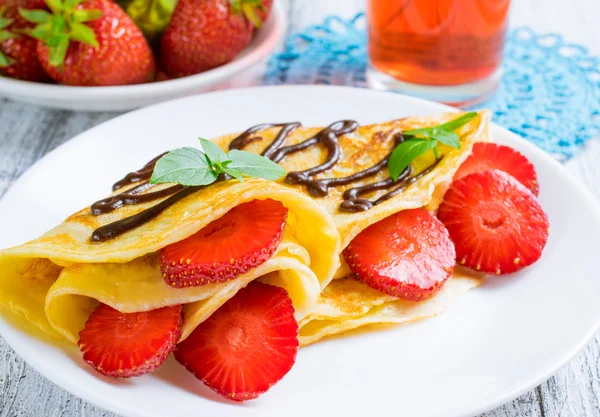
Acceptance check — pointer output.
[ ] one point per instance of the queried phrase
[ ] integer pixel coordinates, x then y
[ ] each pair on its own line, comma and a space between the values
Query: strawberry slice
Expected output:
129, 344
246, 346
495, 222
408, 255
493, 156
242, 239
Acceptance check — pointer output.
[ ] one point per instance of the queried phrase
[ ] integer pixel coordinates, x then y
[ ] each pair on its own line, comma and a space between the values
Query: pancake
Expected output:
55, 281
347, 303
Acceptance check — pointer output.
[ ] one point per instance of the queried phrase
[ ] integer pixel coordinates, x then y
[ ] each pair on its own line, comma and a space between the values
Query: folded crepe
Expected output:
54, 282
347, 303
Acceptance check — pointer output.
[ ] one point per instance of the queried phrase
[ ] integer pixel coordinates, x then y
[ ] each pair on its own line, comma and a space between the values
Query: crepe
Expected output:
54, 282
347, 303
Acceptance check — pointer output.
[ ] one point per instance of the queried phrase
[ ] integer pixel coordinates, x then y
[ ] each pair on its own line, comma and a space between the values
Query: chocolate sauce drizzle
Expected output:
328, 137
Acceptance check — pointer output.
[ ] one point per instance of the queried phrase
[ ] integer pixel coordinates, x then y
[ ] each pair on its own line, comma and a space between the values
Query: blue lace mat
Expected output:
550, 93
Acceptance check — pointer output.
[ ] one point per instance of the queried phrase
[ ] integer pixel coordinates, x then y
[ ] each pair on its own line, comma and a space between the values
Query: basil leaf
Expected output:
424, 131
235, 173
458, 122
406, 152
447, 138
212, 151
255, 165
185, 166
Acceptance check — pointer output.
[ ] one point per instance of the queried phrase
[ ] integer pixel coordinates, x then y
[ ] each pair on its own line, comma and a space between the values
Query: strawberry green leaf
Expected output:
35, 16
83, 34
83, 16
186, 166
5, 61
55, 5
151, 16
406, 152
4, 21
250, 13
6, 35
58, 25
212, 151
255, 165
42, 31
58, 51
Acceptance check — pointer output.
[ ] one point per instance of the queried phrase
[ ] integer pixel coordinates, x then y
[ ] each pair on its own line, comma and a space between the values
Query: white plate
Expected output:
499, 340
134, 96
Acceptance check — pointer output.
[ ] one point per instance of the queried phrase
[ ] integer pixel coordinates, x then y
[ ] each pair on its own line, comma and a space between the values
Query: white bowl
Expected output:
134, 96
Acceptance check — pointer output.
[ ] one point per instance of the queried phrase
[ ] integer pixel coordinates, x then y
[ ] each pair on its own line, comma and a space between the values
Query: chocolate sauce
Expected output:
352, 202
328, 137
136, 176
119, 227
131, 197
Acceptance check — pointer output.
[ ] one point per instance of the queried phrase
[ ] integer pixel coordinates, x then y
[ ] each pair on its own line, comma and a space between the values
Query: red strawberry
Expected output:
96, 44
495, 222
490, 155
204, 34
242, 239
407, 255
18, 54
246, 346
129, 344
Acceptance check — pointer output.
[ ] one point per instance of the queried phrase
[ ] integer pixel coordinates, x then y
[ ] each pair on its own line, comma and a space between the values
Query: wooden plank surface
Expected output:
27, 133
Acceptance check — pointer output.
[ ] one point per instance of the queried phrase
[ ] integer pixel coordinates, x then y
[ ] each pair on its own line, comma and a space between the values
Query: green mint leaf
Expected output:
212, 151
424, 131
83, 34
235, 173
185, 166
35, 16
254, 165
458, 122
447, 138
406, 152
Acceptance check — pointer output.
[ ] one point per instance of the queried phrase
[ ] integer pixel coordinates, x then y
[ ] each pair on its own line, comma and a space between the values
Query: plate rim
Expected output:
534, 380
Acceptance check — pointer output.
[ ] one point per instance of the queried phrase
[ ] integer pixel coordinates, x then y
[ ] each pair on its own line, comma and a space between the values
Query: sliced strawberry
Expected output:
246, 346
407, 255
242, 239
495, 222
129, 344
493, 156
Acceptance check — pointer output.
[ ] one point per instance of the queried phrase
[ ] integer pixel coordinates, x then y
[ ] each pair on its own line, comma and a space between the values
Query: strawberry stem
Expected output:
64, 24
250, 10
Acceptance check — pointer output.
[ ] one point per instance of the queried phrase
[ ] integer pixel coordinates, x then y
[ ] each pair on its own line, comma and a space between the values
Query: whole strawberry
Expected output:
204, 34
18, 55
91, 43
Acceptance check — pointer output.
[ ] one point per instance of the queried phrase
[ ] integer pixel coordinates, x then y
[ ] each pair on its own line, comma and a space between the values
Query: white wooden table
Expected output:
28, 132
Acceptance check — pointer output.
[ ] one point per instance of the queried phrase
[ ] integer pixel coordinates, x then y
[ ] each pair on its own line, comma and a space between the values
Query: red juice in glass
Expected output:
449, 48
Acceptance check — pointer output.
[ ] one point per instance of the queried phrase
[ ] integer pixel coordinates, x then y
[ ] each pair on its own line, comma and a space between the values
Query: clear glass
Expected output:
443, 50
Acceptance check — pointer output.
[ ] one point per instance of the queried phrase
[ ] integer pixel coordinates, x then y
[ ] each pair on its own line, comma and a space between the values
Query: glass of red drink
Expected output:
443, 50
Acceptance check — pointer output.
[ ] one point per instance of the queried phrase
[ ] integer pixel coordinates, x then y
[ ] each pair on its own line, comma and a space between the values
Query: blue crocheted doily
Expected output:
550, 93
